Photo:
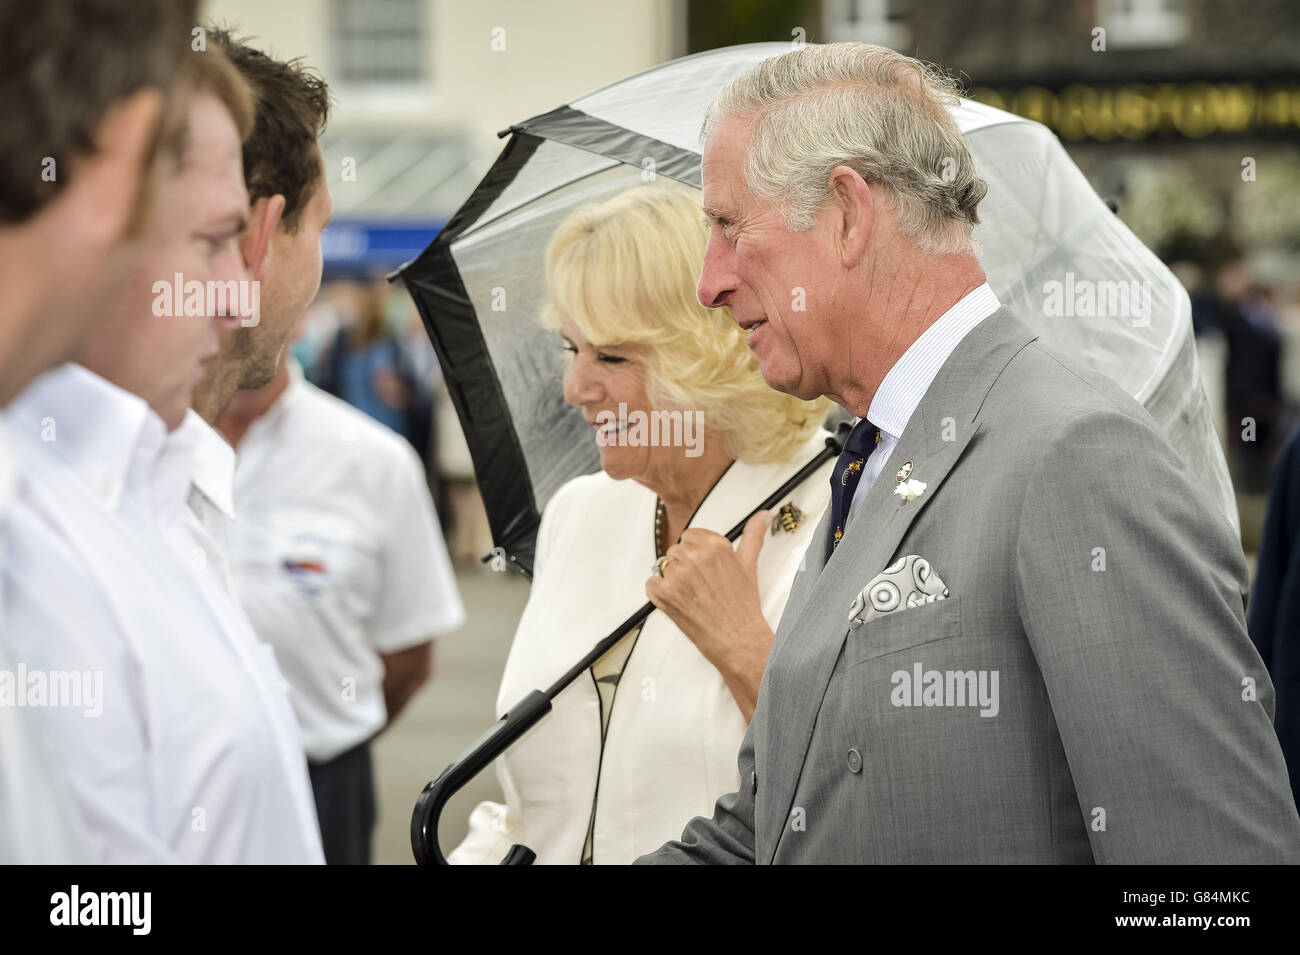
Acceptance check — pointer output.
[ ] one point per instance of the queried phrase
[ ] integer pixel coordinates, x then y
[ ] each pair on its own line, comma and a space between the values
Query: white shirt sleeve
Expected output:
493, 829
418, 598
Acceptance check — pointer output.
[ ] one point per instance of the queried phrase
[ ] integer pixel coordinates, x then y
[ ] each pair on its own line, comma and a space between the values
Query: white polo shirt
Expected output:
193, 756
338, 558
39, 821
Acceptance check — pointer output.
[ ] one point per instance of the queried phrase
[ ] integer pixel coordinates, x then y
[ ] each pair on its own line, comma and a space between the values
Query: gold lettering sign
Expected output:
1137, 111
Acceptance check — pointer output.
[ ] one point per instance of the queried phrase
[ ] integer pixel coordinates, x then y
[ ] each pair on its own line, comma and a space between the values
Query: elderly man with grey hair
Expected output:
1018, 634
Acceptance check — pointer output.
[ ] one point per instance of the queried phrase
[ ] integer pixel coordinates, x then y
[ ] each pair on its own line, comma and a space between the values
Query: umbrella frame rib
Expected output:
573, 127
434, 283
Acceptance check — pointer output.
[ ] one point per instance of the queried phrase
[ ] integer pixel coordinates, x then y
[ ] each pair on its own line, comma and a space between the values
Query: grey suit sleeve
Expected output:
727, 838
1129, 584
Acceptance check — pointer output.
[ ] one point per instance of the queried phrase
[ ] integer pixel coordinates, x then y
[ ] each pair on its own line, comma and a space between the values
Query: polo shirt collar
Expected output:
276, 413
214, 463
296, 378
8, 469
96, 428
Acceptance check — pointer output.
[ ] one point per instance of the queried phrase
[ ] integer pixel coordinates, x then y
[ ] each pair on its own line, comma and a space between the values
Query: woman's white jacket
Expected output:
675, 729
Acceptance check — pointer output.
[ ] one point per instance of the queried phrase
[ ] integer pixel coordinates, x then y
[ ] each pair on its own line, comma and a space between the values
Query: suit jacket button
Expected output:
855, 761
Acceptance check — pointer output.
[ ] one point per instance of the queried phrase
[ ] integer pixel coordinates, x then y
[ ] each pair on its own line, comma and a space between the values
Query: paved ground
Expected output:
448, 715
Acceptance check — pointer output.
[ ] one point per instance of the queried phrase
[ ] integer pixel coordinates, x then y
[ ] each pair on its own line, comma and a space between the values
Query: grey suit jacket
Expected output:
1091, 583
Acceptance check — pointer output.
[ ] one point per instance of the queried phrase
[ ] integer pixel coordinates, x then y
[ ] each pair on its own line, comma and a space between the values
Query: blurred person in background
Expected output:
1274, 612
1200, 296
328, 312
369, 366
85, 98
1248, 320
421, 362
340, 564
192, 754
290, 207
650, 739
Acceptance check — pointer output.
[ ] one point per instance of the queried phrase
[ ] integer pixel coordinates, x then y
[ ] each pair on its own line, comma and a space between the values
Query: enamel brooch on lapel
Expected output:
907, 489
787, 519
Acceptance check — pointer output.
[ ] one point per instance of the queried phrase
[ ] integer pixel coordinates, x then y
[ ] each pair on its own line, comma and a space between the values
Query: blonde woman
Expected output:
691, 440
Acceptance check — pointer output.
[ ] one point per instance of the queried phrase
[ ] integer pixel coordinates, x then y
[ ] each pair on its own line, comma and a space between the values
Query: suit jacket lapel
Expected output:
810, 568
812, 631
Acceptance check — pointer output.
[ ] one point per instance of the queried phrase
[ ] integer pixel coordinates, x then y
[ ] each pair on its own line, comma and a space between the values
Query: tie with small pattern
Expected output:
844, 479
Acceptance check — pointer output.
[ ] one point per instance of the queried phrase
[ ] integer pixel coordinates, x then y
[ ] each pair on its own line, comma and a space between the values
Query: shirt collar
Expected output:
96, 428
268, 421
296, 379
8, 469
910, 378
214, 463
168, 475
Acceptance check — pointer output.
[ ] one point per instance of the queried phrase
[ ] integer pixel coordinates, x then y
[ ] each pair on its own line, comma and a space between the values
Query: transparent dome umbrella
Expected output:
1053, 251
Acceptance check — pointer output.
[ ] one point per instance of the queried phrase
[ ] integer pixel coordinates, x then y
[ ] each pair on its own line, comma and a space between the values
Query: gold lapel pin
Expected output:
904, 471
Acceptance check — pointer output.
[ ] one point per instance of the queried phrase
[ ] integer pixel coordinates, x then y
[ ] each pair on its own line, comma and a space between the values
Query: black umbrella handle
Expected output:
528, 711
428, 808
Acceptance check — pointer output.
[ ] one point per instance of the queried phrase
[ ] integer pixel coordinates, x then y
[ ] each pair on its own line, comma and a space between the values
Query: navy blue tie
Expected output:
861, 442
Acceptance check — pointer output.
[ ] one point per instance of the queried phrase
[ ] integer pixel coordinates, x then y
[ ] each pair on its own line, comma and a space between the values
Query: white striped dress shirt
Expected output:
910, 378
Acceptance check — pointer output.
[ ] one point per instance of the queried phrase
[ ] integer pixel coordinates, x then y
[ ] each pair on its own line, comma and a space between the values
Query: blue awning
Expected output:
353, 246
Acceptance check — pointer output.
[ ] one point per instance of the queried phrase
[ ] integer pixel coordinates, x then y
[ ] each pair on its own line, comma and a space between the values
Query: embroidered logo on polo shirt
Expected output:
304, 561
310, 575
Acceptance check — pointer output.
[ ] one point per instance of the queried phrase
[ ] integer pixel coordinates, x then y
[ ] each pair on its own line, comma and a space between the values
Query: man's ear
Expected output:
263, 219
854, 202
104, 186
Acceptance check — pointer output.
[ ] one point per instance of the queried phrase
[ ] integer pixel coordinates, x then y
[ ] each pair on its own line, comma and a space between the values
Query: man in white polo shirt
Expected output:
194, 755
89, 129
290, 207
341, 566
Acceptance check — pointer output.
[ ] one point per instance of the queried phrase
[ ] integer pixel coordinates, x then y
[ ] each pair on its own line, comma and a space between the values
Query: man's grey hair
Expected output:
882, 114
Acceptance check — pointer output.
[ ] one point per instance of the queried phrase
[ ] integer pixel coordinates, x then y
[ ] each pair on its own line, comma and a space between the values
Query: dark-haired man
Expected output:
193, 753
355, 642
289, 209
82, 94
83, 89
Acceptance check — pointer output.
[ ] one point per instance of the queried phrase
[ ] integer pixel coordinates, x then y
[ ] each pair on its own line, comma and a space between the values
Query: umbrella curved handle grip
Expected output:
428, 808
519, 855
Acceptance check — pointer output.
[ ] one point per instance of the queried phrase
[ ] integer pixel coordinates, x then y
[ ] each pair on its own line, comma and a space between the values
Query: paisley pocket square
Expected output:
908, 582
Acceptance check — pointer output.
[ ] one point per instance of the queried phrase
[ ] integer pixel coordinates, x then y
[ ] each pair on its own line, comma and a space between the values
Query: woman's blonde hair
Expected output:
625, 270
